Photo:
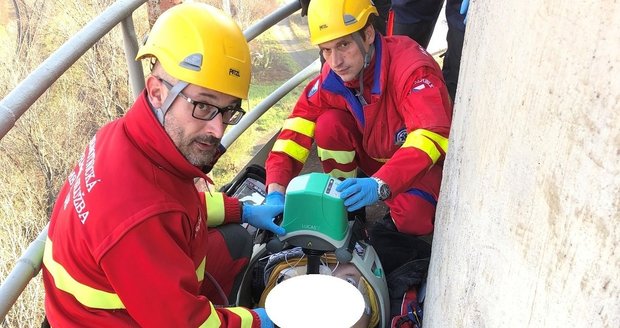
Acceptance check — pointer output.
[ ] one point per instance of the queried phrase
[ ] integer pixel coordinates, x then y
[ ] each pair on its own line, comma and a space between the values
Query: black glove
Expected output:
304, 7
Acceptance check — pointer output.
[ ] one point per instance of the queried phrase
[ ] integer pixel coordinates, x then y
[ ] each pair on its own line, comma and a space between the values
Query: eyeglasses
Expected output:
204, 111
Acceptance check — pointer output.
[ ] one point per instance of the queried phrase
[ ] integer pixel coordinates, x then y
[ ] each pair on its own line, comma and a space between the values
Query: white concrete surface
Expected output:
527, 230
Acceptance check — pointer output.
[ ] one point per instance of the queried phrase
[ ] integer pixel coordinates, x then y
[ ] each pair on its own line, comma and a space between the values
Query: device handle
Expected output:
345, 254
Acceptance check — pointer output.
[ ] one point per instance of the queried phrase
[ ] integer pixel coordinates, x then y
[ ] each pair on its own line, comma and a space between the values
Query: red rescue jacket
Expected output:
128, 235
406, 94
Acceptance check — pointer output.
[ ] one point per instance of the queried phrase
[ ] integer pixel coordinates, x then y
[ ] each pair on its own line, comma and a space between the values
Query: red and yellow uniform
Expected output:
399, 136
129, 241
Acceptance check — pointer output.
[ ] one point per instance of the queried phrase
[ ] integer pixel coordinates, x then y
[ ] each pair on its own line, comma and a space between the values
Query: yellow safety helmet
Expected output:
332, 19
200, 44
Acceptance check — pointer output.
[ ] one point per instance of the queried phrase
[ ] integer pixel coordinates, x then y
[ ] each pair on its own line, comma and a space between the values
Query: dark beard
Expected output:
211, 157
208, 140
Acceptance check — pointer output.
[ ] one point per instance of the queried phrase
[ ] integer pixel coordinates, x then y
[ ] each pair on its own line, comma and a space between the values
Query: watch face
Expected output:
384, 192
383, 189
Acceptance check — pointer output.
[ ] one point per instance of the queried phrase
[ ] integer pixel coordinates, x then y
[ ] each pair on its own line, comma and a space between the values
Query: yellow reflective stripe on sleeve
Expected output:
340, 156
418, 140
86, 295
336, 173
200, 270
292, 149
300, 125
215, 208
437, 138
213, 320
244, 314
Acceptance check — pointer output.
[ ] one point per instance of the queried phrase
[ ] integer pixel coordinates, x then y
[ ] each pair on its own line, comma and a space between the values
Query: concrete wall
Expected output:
528, 226
4, 13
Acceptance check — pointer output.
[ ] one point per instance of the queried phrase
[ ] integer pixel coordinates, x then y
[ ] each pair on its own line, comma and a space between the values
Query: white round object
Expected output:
314, 300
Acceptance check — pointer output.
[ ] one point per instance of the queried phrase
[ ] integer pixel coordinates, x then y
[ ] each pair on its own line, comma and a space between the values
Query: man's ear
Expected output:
370, 34
155, 92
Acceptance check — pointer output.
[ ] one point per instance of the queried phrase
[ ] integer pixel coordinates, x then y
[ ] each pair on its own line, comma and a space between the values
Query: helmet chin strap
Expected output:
367, 56
173, 93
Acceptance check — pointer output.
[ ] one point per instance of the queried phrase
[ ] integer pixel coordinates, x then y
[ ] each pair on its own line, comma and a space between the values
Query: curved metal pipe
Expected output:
32, 87
273, 98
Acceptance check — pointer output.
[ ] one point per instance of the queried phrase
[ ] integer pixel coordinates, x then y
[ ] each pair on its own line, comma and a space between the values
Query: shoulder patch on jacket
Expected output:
421, 84
314, 89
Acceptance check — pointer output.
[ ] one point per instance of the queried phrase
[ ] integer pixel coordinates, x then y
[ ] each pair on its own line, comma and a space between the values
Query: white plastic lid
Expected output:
314, 300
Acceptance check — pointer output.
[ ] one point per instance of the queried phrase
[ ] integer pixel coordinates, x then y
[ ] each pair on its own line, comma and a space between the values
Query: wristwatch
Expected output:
383, 190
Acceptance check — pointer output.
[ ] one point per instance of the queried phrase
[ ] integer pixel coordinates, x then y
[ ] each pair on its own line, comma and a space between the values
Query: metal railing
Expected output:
32, 87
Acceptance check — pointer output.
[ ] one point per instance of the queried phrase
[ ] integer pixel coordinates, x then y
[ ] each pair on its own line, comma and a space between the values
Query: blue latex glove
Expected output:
265, 322
464, 7
358, 192
261, 217
275, 198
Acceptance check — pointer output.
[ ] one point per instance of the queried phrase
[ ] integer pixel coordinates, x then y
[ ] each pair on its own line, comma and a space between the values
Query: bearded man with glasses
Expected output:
201, 149
131, 241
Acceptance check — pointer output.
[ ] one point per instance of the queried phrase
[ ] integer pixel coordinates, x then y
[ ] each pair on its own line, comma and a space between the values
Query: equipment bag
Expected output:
407, 285
411, 311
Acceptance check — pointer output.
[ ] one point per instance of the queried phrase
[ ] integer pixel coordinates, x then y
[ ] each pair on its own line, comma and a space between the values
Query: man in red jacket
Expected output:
380, 105
130, 239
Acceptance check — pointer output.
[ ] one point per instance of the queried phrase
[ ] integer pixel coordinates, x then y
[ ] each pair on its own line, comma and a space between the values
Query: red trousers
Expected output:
230, 248
412, 211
